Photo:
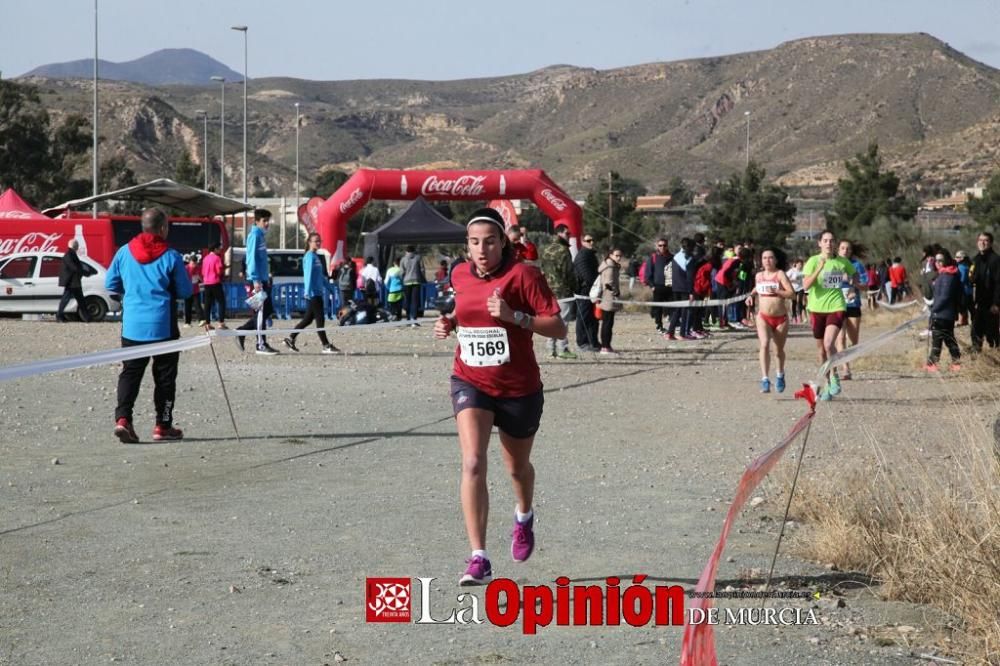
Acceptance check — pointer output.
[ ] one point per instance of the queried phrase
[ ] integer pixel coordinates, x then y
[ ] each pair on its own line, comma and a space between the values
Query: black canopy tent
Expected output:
418, 224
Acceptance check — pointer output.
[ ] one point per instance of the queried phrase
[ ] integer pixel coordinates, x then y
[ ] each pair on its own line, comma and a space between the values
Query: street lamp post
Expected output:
243, 29
747, 114
297, 190
222, 137
204, 164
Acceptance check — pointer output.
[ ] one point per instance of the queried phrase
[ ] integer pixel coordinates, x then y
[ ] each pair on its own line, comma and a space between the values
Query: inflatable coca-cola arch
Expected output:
397, 184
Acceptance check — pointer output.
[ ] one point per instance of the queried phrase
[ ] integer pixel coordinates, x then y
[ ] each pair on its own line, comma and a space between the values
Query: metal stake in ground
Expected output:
784, 519
224, 393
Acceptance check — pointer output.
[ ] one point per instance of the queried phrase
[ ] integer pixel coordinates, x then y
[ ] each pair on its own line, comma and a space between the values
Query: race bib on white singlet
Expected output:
833, 279
767, 288
484, 346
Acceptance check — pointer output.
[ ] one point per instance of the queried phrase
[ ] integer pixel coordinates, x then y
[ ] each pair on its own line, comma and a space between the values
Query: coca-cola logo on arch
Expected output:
355, 197
463, 186
556, 202
30, 242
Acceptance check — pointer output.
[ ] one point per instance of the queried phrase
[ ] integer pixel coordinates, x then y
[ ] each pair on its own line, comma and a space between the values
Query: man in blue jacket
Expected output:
152, 278
656, 278
258, 279
682, 280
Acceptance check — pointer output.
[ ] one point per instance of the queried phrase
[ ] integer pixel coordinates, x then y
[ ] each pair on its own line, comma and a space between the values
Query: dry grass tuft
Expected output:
982, 367
926, 524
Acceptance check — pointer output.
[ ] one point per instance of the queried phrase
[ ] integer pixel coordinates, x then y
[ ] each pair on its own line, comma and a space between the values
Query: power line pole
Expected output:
95, 168
611, 223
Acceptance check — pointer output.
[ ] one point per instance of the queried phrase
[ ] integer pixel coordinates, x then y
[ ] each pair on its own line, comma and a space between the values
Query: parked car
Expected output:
29, 283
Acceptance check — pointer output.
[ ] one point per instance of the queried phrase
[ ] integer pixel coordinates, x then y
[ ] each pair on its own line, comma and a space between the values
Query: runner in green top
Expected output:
824, 274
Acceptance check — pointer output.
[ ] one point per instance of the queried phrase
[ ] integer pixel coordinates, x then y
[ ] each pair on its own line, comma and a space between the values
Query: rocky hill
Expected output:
812, 102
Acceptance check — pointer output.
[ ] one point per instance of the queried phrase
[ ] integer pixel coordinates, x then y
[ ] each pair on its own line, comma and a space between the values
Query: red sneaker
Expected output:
955, 367
125, 432
931, 367
166, 433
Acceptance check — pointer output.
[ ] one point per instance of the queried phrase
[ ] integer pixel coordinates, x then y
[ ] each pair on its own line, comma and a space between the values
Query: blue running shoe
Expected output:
765, 385
825, 396
834, 385
779, 384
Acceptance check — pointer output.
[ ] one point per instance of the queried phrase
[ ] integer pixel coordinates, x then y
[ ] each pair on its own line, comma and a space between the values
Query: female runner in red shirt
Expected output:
499, 304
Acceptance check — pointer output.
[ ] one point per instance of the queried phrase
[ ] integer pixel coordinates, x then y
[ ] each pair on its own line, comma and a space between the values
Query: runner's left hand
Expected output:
498, 307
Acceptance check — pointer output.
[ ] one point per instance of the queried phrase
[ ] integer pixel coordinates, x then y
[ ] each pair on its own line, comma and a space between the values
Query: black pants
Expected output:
192, 304
607, 328
586, 325
697, 319
75, 293
660, 295
412, 299
214, 295
314, 312
943, 330
346, 296
396, 309
680, 316
164, 380
259, 318
985, 326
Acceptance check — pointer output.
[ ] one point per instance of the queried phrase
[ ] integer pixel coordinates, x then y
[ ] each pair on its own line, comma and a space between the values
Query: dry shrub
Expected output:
905, 362
926, 526
982, 367
886, 318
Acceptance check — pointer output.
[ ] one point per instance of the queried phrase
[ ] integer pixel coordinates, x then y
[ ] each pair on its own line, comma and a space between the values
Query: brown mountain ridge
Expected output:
813, 103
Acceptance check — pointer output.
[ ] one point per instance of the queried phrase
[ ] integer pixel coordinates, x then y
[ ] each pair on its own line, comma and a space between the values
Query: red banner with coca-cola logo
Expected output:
506, 210
395, 184
309, 212
95, 237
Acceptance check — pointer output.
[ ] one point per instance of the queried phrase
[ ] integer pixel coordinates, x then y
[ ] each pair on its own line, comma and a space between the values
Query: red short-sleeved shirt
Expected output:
897, 275
525, 251
522, 287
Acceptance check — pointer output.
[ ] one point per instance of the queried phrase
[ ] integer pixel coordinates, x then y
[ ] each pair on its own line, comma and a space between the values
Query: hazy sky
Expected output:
448, 39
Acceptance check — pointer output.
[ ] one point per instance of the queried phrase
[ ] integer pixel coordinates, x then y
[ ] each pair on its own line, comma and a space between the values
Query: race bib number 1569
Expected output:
484, 346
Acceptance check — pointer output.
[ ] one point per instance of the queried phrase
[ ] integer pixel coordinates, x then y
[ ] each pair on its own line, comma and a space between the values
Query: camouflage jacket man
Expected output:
557, 264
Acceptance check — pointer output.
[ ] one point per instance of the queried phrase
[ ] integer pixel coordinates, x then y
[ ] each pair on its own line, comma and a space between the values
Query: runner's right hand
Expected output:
442, 328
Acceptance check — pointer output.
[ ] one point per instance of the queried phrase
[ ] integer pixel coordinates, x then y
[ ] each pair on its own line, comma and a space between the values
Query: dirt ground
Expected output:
213, 551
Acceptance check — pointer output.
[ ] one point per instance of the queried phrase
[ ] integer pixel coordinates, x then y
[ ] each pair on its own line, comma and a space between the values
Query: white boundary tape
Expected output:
109, 356
102, 357
236, 333
899, 306
863, 348
668, 304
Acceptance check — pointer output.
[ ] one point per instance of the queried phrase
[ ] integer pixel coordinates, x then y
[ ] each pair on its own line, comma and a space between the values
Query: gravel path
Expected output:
209, 551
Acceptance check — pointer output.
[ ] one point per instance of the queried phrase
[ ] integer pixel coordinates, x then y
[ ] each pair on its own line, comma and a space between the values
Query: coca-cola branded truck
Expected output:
100, 237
